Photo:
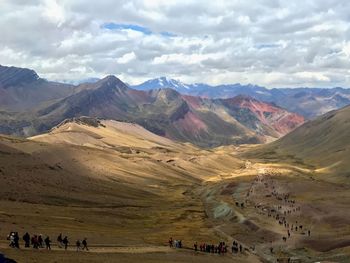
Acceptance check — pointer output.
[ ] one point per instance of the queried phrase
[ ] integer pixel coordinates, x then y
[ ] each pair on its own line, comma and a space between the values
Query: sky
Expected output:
270, 43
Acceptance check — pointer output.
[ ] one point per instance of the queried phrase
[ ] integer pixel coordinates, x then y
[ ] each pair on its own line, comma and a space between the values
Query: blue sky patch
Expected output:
115, 26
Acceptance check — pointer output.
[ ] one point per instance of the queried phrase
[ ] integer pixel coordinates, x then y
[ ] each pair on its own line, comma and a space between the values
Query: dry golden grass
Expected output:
121, 186
118, 188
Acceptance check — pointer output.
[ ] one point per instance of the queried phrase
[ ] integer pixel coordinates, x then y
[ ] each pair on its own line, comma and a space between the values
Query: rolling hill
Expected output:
104, 134
323, 143
112, 182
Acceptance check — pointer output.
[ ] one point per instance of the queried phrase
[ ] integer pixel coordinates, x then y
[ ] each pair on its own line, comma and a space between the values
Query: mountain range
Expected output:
166, 112
102, 156
309, 102
198, 113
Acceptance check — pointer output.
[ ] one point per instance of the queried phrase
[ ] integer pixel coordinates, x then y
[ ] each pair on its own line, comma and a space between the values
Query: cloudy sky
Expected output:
267, 42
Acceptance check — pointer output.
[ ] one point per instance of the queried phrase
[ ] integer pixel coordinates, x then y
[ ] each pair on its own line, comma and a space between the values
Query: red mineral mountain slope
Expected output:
263, 118
279, 119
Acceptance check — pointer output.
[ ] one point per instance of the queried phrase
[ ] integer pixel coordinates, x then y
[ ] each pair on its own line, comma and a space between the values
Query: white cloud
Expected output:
269, 42
54, 12
346, 49
126, 58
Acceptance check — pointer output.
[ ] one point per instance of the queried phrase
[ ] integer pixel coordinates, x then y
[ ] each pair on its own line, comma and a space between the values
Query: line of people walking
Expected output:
37, 241
282, 209
220, 248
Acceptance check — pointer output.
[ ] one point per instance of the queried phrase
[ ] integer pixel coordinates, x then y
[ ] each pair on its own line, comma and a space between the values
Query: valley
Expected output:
128, 190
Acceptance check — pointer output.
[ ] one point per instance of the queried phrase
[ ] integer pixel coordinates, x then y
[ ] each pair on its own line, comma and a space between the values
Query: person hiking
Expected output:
11, 238
65, 242
26, 239
59, 240
78, 244
35, 242
40, 241
170, 242
16, 240
85, 245
195, 246
47, 243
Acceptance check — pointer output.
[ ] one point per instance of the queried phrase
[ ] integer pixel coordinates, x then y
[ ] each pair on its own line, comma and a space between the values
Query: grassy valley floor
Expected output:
128, 199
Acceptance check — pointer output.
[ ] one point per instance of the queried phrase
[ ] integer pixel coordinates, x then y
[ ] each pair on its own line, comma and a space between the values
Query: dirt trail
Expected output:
251, 257
265, 188
110, 248
160, 253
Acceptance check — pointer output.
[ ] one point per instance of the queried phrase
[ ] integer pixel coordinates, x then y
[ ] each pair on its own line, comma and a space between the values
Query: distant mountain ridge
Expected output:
10, 76
202, 121
22, 89
161, 111
166, 112
309, 102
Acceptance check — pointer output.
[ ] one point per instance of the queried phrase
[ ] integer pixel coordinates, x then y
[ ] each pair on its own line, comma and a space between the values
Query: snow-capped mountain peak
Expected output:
164, 82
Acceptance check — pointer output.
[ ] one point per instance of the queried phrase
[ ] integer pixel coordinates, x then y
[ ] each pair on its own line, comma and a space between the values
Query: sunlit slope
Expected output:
142, 184
92, 132
139, 149
323, 143
84, 161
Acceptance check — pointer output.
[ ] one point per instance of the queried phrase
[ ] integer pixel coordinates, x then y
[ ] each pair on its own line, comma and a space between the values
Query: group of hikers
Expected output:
220, 248
175, 243
37, 241
280, 212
